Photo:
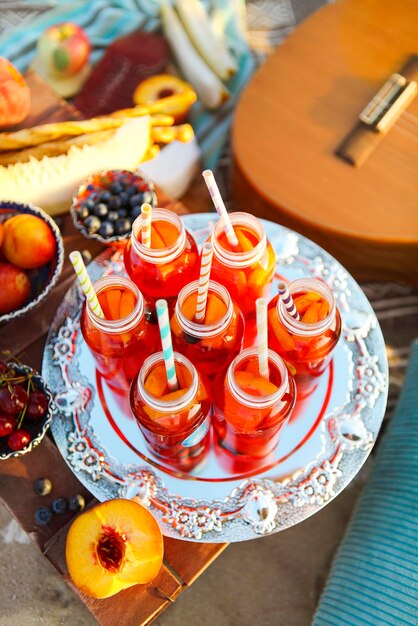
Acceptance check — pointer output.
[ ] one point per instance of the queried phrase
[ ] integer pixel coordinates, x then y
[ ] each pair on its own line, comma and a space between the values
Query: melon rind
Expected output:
51, 181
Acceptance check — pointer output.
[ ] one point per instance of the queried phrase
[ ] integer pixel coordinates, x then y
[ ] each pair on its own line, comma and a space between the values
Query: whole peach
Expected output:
64, 49
1, 233
14, 287
14, 95
28, 241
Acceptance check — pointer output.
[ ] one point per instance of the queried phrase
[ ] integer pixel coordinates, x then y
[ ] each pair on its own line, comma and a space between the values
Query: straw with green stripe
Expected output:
164, 324
85, 282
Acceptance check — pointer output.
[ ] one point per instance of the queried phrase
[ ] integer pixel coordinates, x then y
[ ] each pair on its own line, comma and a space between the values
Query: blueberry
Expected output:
124, 198
151, 315
90, 187
114, 203
89, 203
116, 187
76, 503
59, 505
107, 229
135, 212
122, 226
92, 224
101, 210
113, 216
122, 212
105, 196
42, 486
135, 199
82, 212
130, 190
190, 338
43, 515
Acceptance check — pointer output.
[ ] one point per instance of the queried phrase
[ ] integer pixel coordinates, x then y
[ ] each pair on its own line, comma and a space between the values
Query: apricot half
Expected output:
113, 546
173, 94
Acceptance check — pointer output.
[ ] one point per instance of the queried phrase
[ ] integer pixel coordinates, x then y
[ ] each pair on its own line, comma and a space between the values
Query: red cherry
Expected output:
7, 424
13, 399
18, 439
37, 405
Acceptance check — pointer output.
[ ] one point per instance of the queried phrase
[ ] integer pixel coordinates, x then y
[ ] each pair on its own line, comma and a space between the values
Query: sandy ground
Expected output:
272, 581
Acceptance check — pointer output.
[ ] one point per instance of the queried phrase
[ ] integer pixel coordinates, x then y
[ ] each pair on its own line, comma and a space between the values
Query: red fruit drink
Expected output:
248, 270
175, 424
122, 340
306, 344
250, 411
169, 263
218, 339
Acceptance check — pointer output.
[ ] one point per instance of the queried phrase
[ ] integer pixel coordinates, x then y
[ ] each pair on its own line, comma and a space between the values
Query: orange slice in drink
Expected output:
284, 338
127, 304
303, 301
215, 309
156, 381
311, 314
253, 384
244, 242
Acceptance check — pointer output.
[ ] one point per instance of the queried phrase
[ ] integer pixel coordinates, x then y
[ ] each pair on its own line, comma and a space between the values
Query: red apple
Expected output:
14, 287
14, 95
28, 241
63, 49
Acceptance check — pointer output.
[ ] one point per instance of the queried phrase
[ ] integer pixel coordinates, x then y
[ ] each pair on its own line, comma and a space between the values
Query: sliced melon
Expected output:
51, 181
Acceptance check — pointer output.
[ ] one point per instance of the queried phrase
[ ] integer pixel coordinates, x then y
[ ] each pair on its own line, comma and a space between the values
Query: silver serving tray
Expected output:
320, 451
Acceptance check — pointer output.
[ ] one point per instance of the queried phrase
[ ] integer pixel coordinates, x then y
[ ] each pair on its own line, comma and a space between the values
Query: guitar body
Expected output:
296, 111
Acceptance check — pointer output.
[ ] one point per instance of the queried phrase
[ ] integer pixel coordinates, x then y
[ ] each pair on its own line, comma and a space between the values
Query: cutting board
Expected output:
298, 108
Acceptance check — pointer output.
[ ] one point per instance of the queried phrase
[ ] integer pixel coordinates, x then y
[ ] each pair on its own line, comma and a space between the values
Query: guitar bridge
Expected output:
389, 103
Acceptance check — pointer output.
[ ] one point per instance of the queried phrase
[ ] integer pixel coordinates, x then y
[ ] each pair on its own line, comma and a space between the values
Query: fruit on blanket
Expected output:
113, 546
176, 95
64, 49
14, 95
1, 234
28, 241
14, 287
208, 86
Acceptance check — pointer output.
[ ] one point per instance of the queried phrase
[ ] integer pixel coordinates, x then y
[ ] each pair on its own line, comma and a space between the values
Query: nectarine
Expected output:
14, 287
14, 95
113, 546
28, 241
175, 95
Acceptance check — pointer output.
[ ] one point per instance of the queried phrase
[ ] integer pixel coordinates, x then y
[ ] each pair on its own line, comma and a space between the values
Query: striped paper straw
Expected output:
164, 324
220, 207
146, 214
85, 282
262, 347
202, 291
287, 300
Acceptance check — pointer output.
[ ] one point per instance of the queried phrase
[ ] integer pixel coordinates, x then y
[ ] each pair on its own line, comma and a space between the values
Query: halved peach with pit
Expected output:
174, 95
113, 546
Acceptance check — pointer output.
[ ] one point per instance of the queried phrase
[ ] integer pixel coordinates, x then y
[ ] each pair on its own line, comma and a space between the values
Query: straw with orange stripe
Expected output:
146, 215
202, 291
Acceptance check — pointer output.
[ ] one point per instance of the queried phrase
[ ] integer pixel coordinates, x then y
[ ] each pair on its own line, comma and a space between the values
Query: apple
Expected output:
28, 241
14, 95
14, 287
113, 546
63, 49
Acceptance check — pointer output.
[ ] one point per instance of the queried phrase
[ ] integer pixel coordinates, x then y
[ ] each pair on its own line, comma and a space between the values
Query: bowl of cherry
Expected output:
26, 409
106, 204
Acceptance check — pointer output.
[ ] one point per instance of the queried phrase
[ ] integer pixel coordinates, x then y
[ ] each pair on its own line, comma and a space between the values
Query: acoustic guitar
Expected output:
325, 136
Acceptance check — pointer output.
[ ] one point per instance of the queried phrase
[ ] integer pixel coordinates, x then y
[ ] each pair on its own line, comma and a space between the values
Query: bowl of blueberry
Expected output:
107, 203
26, 409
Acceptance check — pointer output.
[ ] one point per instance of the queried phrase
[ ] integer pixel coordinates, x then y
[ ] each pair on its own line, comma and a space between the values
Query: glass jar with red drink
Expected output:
121, 341
306, 344
175, 424
218, 339
247, 271
169, 263
250, 411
